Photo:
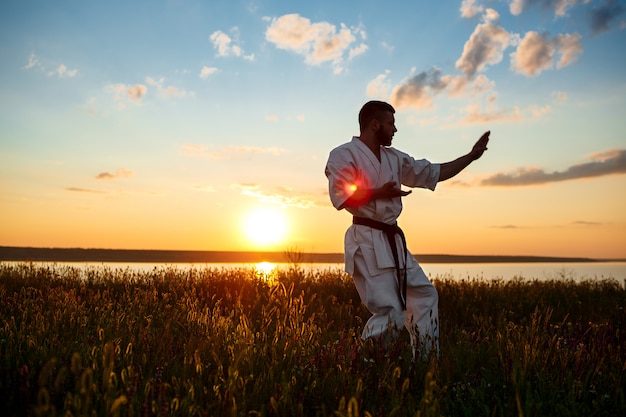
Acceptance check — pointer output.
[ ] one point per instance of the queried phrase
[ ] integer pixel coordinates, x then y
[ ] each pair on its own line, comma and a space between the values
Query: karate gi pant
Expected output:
381, 296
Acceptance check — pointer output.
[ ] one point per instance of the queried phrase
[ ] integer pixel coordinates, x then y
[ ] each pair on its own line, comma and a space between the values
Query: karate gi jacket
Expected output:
353, 165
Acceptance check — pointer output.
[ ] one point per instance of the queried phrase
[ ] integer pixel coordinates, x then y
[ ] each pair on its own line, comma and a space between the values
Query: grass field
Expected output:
227, 342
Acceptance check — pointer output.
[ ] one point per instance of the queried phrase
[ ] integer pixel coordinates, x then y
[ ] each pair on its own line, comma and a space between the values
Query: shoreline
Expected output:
32, 254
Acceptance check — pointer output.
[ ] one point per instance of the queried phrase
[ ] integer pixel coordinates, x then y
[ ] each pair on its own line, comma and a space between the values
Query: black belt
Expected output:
391, 230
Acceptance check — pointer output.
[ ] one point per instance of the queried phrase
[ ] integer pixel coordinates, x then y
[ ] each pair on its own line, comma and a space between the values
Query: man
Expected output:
365, 177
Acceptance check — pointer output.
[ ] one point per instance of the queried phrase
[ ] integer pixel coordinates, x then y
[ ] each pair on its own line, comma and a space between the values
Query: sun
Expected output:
265, 226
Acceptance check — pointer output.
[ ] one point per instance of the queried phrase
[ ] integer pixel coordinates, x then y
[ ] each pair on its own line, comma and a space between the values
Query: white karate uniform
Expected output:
368, 256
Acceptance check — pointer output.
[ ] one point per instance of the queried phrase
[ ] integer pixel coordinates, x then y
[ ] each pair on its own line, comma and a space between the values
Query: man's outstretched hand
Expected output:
481, 146
389, 190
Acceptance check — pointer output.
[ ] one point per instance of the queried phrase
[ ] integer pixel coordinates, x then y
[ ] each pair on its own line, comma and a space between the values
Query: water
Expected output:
577, 271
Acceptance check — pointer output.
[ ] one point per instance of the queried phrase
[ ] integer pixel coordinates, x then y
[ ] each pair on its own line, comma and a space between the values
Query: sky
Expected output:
206, 125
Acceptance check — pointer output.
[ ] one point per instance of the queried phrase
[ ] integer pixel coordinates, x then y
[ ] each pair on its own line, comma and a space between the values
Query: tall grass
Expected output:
227, 342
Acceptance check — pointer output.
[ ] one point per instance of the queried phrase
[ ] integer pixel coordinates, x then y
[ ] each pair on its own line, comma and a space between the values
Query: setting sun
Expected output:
265, 226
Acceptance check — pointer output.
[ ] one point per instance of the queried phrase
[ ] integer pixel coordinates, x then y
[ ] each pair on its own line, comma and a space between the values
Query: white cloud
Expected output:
418, 91
63, 72
485, 46
536, 53
136, 93
475, 114
205, 72
361, 49
459, 86
166, 91
569, 47
560, 7
227, 46
33, 62
123, 93
379, 87
318, 42
469, 8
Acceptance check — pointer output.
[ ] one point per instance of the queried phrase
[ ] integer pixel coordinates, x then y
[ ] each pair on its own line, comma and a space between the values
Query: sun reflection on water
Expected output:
266, 270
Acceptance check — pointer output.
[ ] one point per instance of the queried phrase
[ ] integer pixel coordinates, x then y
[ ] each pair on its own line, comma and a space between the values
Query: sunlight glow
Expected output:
265, 268
265, 226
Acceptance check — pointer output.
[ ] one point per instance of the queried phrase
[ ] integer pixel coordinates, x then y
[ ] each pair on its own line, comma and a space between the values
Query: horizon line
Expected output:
78, 254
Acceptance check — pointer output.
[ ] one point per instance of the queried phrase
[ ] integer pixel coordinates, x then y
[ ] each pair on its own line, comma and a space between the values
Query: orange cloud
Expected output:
84, 190
536, 53
283, 196
609, 162
317, 42
485, 46
120, 173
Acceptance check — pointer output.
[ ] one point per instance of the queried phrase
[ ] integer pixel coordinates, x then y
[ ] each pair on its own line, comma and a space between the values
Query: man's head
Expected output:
376, 117
373, 110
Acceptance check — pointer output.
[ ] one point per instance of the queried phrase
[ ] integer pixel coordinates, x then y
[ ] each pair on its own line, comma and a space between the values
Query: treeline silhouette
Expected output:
32, 254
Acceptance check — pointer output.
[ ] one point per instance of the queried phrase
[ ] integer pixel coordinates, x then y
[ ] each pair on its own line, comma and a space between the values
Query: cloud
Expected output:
506, 227
227, 46
205, 72
536, 52
33, 62
610, 162
560, 97
63, 72
417, 91
120, 173
84, 190
136, 92
602, 17
123, 93
204, 188
485, 46
282, 196
560, 7
587, 223
361, 49
166, 91
476, 115
469, 8
229, 152
379, 87
318, 42
461, 86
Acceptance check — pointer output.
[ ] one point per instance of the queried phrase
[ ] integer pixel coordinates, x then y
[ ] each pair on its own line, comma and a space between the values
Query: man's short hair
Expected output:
373, 110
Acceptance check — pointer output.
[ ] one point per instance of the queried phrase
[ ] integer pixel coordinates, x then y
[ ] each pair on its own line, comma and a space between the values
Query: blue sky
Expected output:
164, 124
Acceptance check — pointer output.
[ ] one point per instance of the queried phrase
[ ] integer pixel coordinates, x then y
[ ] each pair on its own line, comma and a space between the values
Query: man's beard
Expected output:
382, 138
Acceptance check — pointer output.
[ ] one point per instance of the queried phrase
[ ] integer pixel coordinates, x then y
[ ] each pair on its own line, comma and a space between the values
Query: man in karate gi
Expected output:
365, 177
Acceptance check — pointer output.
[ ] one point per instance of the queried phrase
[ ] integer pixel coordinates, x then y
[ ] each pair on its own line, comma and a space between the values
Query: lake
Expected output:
578, 271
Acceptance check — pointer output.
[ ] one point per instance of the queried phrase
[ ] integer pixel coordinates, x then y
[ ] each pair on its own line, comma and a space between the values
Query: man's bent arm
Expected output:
450, 169
364, 196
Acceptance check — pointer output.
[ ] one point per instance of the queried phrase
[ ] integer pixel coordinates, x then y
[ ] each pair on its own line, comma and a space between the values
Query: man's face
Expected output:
386, 129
